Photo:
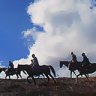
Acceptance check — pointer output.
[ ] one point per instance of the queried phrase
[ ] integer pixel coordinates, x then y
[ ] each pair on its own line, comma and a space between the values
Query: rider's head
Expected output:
83, 54
33, 55
9, 61
71, 53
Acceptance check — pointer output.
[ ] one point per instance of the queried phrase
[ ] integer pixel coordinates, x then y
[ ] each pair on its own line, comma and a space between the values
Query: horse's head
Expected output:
2, 69
66, 63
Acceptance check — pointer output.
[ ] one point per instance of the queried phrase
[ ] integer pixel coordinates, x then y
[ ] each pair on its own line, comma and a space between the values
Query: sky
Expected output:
50, 29
13, 20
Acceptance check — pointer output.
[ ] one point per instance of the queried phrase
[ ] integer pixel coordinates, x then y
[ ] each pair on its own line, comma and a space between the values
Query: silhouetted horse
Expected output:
72, 67
44, 69
83, 71
13, 72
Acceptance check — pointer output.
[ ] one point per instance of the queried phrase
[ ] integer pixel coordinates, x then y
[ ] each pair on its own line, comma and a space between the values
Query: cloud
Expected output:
2, 74
69, 25
33, 33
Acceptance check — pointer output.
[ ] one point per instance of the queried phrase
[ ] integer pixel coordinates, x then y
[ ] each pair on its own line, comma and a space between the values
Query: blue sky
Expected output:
13, 20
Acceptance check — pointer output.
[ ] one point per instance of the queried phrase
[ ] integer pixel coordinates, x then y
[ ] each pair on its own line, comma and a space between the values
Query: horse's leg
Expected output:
29, 80
74, 73
71, 74
86, 75
24, 72
20, 76
19, 73
38, 76
6, 77
17, 76
47, 77
43, 76
52, 78
77, 77
9, 76
34, 80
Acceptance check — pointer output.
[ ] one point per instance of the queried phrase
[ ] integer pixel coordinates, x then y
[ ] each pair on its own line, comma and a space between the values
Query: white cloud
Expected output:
31, 33
69, 25
2, 74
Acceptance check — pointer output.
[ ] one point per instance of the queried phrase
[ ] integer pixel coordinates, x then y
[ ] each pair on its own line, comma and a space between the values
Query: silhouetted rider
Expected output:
74, 58
11, 66
85, 62
34, 62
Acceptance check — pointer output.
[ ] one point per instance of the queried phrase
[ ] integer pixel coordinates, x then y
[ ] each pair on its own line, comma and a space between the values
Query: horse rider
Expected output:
85, 62
34, 62
74, 59
11, 66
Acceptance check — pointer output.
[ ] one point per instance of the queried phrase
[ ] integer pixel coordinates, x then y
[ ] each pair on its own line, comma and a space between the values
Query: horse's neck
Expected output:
66, 63
4, 69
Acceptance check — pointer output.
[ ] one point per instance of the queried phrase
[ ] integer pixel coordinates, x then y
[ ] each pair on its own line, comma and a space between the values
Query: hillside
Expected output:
64, 87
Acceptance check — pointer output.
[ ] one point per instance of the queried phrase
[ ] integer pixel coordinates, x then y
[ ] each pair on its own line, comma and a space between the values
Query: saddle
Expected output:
72, 63
35, 68
11, 70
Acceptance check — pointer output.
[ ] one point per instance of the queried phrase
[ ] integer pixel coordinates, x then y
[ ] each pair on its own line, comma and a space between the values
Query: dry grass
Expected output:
64, 87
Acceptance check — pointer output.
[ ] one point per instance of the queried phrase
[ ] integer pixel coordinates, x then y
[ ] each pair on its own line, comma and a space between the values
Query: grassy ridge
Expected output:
64, 87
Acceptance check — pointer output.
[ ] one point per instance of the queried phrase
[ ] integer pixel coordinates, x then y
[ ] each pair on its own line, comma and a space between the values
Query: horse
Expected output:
13, 72
44, 69
84, 71
3, 69
72, 67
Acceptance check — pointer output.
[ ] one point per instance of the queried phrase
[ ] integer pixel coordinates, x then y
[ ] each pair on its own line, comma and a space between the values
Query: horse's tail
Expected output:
53, 70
